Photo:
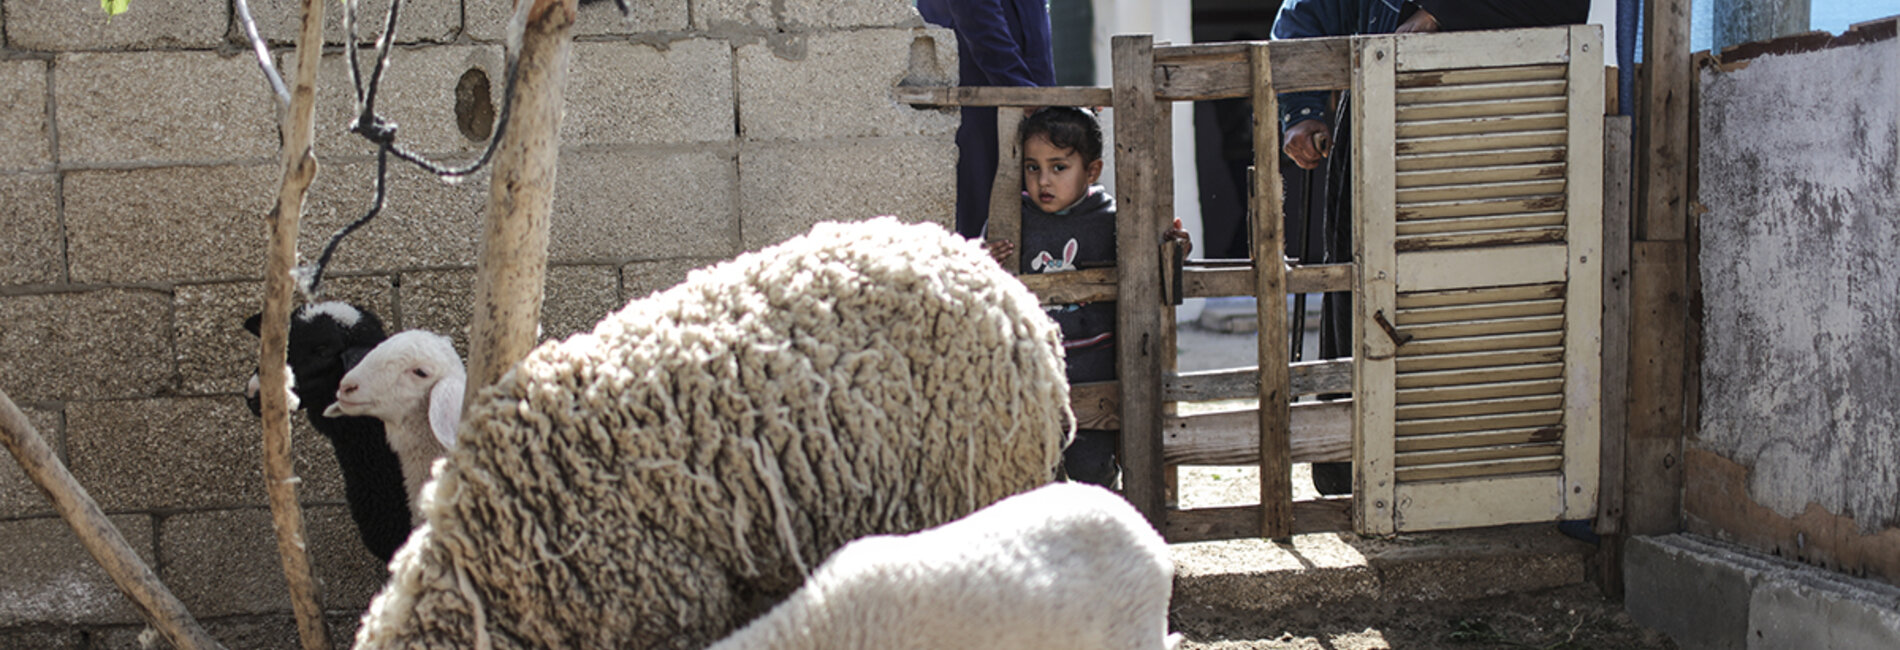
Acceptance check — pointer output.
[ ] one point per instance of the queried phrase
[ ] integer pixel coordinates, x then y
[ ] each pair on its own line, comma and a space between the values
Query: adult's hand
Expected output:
1421, 21
1306, 142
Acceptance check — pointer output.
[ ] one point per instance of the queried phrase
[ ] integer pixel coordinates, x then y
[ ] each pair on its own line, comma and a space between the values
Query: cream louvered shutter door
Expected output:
1478, 188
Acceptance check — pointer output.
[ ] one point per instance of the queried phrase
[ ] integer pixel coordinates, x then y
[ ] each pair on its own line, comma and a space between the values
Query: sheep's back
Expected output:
659, 480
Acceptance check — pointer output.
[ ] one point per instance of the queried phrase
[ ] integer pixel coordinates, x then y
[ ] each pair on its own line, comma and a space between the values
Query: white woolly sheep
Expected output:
676, 472
1063, 566
413, 382
326, 340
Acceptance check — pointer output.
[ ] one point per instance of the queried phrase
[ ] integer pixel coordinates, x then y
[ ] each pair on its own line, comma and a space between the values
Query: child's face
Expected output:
1056, 177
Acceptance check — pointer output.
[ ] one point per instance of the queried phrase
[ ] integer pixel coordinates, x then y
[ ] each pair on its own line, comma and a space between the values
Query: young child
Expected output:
1068, 224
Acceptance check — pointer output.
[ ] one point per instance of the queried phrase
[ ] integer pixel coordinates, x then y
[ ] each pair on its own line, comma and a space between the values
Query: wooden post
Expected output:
1664, 111
1276, 450
512, 270
1616, 351
155, 603
280, 476
1006, 202
1137, 239
1375, 291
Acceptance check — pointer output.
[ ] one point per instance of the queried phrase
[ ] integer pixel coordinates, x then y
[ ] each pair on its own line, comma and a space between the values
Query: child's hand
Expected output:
1003, 251
1177, 233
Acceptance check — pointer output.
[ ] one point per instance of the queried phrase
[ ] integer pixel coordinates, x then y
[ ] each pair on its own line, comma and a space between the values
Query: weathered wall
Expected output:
137, 161
1797, 451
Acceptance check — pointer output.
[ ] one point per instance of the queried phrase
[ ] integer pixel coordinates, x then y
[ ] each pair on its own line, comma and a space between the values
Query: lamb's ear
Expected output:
354, 355
254, 324
445, 408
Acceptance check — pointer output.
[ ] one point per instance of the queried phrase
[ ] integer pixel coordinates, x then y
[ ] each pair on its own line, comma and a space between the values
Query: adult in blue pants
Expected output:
1309, 135
999, 43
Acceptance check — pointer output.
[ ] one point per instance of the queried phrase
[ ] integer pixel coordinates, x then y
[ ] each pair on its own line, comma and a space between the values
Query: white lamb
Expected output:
413, 382
1067, 565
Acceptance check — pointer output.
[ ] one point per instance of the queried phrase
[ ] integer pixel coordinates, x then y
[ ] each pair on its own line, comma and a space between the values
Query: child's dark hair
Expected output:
1066, 127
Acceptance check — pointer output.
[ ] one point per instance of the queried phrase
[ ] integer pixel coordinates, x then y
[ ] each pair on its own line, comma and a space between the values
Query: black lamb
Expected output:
326, 340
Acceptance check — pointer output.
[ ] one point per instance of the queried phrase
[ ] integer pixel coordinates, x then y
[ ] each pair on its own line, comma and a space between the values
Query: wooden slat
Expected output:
1479, 75
1470, 191
1457, 159
1375, 218
1409, 129
1481, 407
1455, 329
1481, 108
1450, 209
1221, 71
1318, 432
1474, 469
1664, 107
1481, 92
1306, 377
1433, 270
1479, 296
1408, 365
1473, 454
1023, 96
1265, 210
1479, 439
1616, 321
1495, 222
1005, 223
1086, 285
1488, 342
1490, 239
1480, 375
1482, 502
1491, 173
1497, 48
1477, 391
1480, 423
1097, 405
1482, 142
1222, 281
1240, 522
1138, 226
1583, 347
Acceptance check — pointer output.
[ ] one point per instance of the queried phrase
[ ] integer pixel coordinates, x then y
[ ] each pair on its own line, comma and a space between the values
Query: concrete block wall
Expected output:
138, 159
1708, 595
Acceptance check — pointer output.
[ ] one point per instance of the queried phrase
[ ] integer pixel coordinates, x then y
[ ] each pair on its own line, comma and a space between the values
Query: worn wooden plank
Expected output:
1480, 391
1475, 469
1465, 504
1097, 405
1458, 159
1305, 377
1659, 310
1236, 522
1426, 128
1317, 432
1021, 96
1552, 449
1006, 203
1487, 207
1375, 221
1493, 222
1496, 48
1479, 296
1480, 92
1583, 313
1482, 142
1492, 172
1480, 423
1482, 311
1164, 191
1616, 322
1480, 108
1459, 77
1469, 191
1433, 270
1481, 343
1407, 365
1086, 285
1215, 281
1480, 239
1269, 244
1138, 227
1221, 70
1429, 331
1664, 104
1480, 375
1479, 439
1473, 408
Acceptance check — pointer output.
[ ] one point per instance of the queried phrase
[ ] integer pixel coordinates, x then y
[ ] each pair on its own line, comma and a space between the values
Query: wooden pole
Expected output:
136, 580
1138, 227
1276, 450
280, 476
512, 270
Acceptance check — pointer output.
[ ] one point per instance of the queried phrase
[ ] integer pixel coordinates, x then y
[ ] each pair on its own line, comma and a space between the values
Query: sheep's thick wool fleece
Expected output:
658, 482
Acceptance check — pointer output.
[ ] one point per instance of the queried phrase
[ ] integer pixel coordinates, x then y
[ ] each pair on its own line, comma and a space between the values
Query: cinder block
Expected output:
808, 14
197, 107
734, 16
19, 496
104, 344
786, 188
625, 206
424, 221
1674, 587
1804, 609
23, 132
147, 24
49, 579
488, 21
622, 92
29, 214
422, 21
216, 356
225, 562
841, 85
575, 298
168, 224
639, 279
166, 453
419, 93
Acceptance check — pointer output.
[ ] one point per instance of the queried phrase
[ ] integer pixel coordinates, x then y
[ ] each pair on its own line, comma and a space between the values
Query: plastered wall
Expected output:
1797, 451
138, 158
